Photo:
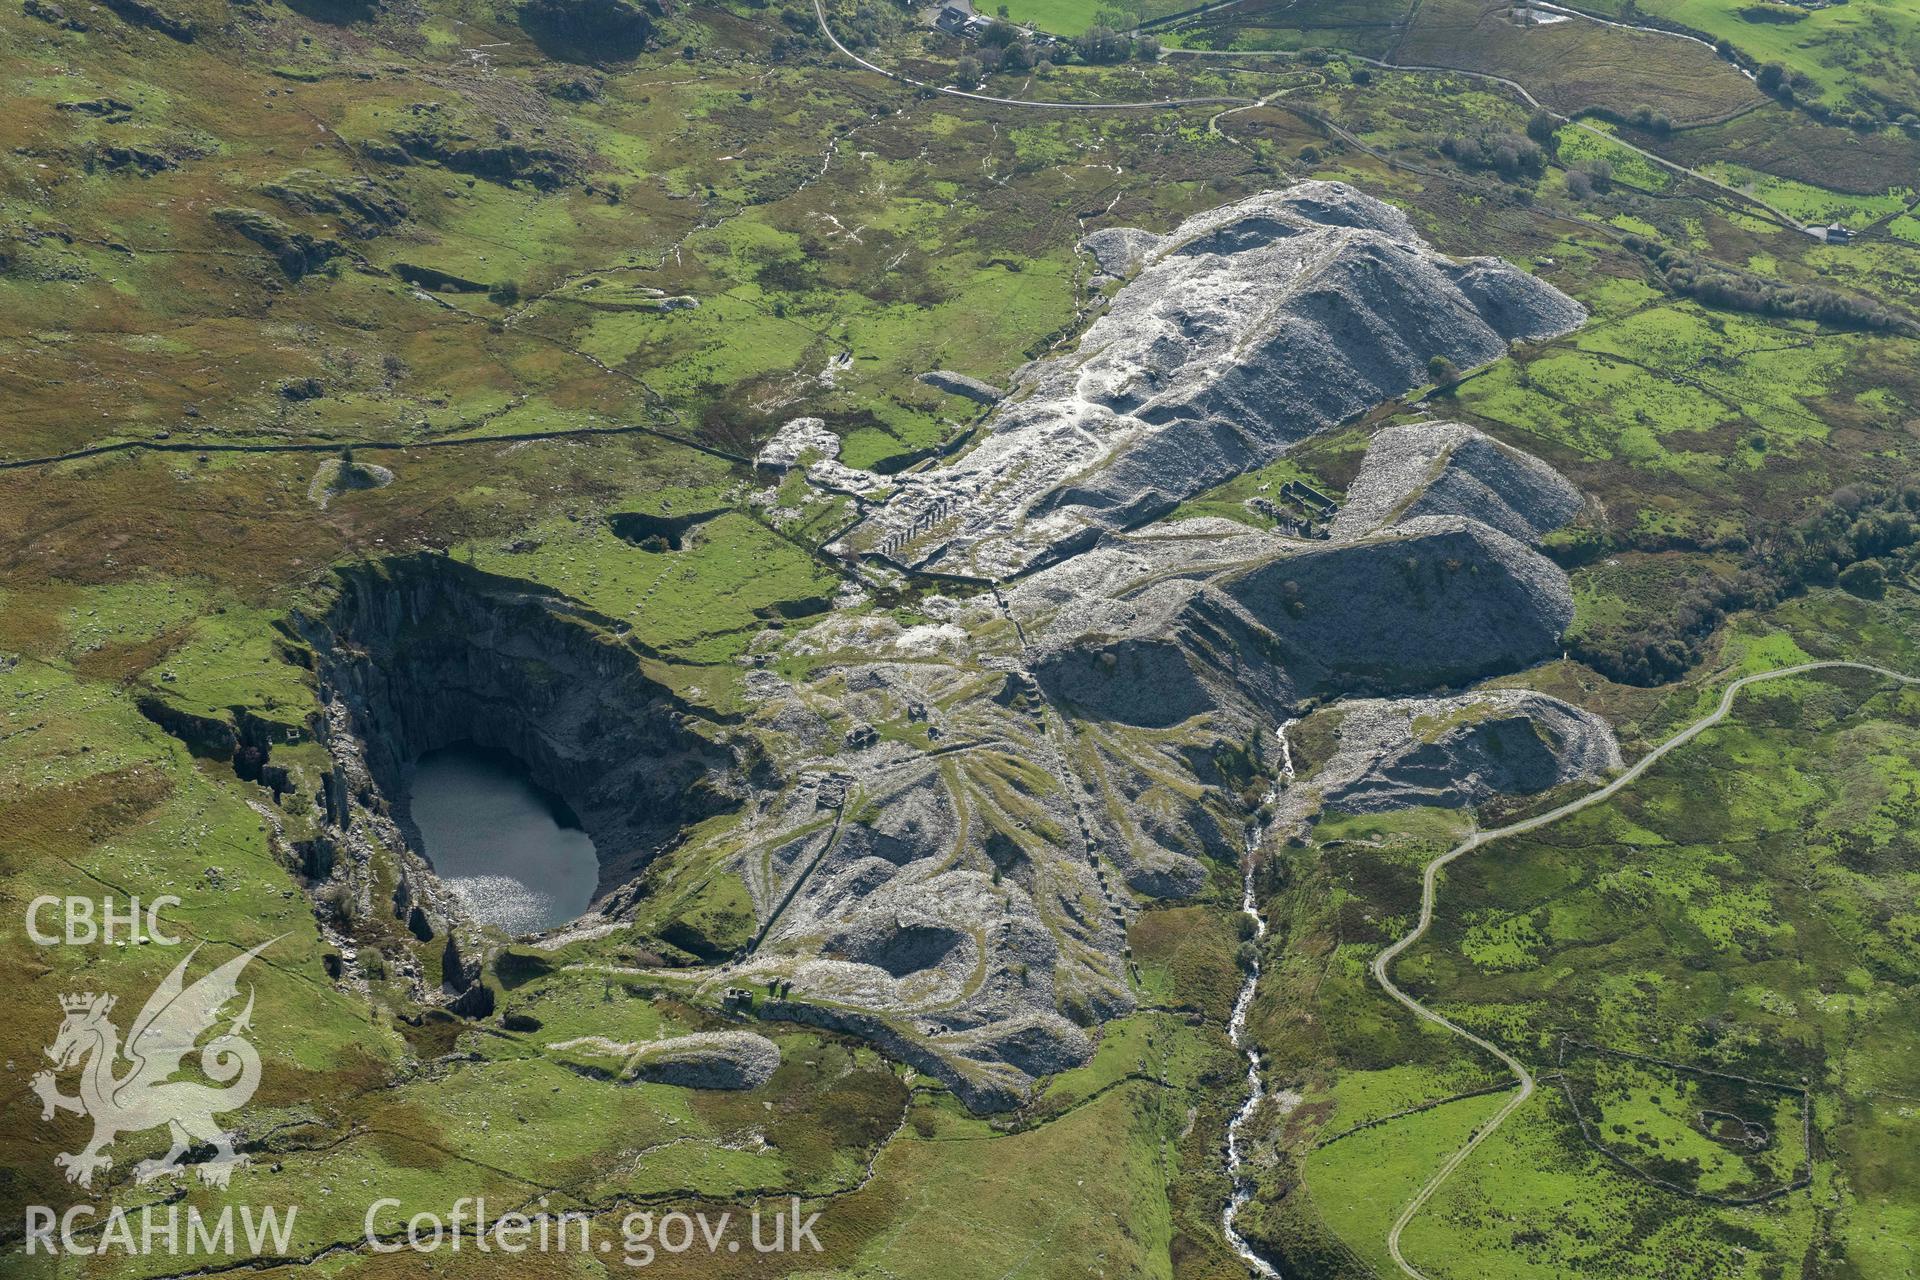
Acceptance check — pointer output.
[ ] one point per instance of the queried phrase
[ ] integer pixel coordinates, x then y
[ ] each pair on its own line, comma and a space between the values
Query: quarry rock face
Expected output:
422, 652
1436, 601
1451, 752
1244, 331
708, 1060
1444, 468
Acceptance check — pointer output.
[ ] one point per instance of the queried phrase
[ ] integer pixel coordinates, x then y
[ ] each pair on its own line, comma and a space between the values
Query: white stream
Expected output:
1237, 1032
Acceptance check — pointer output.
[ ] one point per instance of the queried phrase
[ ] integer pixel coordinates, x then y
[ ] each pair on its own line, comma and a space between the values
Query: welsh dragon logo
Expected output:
144, 1095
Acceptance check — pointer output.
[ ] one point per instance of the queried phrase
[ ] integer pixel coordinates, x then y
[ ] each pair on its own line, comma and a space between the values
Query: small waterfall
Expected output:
1237, 1032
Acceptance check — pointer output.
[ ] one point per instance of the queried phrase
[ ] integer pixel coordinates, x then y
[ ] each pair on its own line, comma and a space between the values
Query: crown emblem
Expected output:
145, 1095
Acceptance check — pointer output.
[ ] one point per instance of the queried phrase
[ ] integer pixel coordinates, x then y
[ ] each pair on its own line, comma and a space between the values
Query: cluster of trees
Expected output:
1003, 47
1020, 55
1663, 648
1719, 285
1774, 78
1642, 117
1860, 539
1103, 44
1006, 47
799, 35
1645, 117
1583, 179
788, 44
1775, 13
1588, 178
864, 28
1796, 88
1510, 155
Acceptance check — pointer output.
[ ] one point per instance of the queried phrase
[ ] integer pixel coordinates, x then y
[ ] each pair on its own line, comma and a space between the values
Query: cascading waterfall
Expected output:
1237, 1032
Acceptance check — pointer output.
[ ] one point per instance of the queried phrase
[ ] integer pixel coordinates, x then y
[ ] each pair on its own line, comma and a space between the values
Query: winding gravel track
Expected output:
1383, 962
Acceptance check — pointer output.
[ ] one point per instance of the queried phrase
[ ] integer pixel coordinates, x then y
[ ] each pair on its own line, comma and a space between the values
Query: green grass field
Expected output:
1634, 887
1859, 55
1574, 146
1071, 17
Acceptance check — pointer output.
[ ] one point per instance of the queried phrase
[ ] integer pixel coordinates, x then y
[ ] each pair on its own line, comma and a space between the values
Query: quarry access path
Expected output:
1383, 963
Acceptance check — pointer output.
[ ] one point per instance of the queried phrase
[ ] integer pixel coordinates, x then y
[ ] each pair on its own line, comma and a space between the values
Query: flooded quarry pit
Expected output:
513, 854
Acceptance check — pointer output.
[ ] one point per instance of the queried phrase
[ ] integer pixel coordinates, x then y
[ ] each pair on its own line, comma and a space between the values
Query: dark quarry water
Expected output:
510, 851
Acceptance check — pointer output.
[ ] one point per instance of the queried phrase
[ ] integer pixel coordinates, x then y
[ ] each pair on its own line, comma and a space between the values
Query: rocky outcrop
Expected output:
343, 475
1444, 468
500, 158
297, 252
422, 277
51, 13
364, 207
1451, 752
142, 14
104, 108
1245, 330
117, 157
587, 31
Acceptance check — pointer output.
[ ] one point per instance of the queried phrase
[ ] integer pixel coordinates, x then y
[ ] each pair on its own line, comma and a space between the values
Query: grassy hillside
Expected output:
548, 283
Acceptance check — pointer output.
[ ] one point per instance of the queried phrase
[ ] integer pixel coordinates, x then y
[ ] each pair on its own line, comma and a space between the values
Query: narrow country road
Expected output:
1156, 104
1160, 104
1526, 96
1383, 963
